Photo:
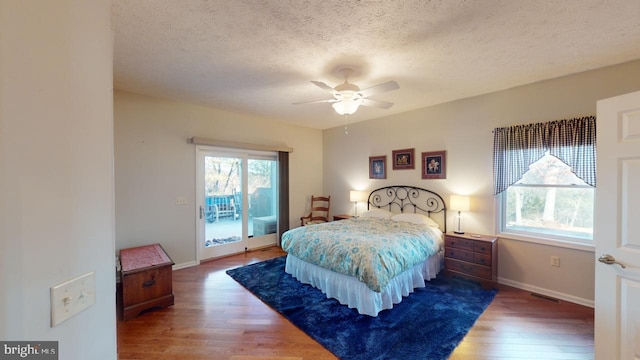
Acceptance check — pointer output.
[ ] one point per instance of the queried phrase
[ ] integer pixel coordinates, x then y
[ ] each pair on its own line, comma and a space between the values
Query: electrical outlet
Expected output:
71, 297
555, 261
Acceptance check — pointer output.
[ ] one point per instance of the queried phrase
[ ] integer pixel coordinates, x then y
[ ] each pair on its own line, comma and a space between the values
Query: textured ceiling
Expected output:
258, 57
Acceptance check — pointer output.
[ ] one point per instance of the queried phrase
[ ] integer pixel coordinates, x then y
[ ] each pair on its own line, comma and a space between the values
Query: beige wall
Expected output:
154, 164
464, 129
56, 170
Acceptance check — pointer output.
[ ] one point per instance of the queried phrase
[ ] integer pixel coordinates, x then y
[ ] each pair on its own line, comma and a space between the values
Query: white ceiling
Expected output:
258, 56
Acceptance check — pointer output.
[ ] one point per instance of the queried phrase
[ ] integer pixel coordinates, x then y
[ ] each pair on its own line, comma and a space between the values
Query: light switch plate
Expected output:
71, 297
181, 200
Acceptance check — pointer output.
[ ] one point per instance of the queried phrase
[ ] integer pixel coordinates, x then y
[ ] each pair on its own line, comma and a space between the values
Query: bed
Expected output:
371, 262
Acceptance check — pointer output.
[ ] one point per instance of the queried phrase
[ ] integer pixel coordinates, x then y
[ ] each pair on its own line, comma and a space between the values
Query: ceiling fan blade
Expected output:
324, 86
376, 103
380, 88
316, 101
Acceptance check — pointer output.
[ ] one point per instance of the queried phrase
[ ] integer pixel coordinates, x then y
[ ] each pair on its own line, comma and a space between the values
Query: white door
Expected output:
617, 229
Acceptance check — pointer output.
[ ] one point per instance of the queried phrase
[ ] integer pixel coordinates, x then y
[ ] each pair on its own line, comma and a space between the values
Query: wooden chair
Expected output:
319, 211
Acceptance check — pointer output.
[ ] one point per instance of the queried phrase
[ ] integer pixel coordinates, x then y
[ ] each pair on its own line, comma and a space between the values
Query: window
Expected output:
549, 200
544, 176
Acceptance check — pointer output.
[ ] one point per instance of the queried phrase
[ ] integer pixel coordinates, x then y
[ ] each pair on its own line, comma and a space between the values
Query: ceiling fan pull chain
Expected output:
346, 130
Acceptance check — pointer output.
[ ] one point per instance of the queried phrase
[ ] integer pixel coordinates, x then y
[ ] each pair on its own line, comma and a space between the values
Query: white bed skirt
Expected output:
355, 294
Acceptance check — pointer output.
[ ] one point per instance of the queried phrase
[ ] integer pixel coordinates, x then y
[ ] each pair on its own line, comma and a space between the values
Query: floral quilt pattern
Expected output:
372, 250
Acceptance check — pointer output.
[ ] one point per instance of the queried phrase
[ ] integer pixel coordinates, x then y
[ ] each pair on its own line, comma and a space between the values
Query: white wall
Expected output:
56, 170
464, 129
154, 164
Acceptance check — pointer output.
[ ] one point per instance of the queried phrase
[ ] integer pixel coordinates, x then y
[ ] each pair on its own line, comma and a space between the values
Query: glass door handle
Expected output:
608, 259
201, 212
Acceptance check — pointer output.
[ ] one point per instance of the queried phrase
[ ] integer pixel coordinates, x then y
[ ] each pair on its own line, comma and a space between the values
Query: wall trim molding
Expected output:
547, 292
184, 265
192, 263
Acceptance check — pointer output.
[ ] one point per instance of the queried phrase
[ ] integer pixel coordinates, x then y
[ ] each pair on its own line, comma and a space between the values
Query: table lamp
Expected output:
356, 196
459, 203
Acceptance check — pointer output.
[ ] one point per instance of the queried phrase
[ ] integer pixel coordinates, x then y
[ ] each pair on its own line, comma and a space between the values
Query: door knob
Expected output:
608, 259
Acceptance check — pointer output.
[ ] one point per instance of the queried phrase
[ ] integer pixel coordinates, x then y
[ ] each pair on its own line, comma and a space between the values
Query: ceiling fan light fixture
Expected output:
347, 106
348, 97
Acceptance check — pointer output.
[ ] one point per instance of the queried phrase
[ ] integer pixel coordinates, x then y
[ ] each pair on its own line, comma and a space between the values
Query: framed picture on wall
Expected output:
378, 167
434, 165
403, 159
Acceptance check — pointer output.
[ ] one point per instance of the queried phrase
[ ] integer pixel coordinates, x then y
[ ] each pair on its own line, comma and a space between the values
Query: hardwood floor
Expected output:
216, 318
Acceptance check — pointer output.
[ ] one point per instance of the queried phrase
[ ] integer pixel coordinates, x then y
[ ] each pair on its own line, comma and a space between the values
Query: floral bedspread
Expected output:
372, 250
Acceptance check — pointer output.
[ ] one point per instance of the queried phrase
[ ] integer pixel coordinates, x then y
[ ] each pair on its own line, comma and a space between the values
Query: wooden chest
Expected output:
146, 279
472, 256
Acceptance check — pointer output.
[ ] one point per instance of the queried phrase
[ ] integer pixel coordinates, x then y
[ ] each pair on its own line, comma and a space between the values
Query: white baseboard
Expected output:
547, 292
184, 265
196, 263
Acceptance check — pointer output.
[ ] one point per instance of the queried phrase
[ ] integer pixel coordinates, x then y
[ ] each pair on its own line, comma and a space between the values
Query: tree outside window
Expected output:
549, 199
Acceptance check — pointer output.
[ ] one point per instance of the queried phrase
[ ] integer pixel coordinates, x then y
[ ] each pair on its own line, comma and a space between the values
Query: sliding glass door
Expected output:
237, 207
263, 202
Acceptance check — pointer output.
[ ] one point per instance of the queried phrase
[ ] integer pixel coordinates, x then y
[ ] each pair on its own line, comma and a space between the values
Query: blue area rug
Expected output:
428, 324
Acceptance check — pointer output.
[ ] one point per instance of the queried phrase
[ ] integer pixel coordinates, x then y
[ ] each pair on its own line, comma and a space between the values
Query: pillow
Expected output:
377, 213
416, 219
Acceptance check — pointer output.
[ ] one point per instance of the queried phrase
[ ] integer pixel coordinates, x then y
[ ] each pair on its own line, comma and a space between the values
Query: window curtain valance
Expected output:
572, 141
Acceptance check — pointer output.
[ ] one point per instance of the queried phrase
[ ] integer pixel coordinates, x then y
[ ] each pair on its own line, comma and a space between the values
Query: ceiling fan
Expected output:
348, 97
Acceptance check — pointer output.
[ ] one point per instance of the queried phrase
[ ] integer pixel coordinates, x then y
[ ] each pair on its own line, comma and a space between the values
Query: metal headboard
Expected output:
401, 198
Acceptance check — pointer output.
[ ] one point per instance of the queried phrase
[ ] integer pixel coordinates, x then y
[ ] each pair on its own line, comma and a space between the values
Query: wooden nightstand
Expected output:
341, 217
472, 256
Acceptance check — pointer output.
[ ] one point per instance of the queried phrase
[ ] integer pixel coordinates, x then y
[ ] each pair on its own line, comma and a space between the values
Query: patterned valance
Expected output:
516, 147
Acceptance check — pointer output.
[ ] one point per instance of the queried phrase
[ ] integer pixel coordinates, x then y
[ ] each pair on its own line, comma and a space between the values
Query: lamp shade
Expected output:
357, 196
459, 203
